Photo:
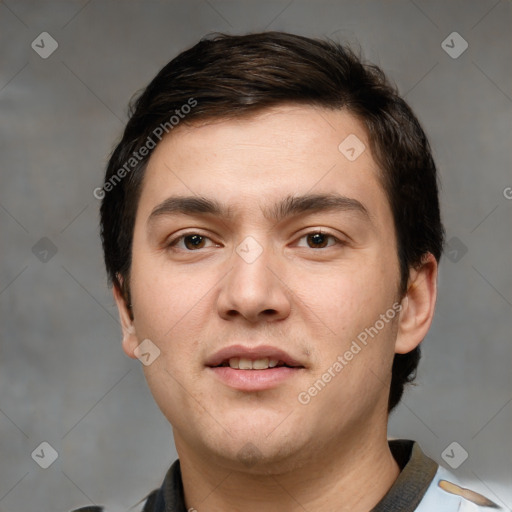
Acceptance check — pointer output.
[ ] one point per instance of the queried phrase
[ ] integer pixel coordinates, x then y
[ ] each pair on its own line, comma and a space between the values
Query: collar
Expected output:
417, 472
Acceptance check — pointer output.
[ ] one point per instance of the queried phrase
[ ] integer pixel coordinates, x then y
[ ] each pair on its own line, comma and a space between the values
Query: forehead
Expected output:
292, 131
283, 151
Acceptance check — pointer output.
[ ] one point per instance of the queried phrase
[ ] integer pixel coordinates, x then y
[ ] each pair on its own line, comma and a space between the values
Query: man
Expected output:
271, 227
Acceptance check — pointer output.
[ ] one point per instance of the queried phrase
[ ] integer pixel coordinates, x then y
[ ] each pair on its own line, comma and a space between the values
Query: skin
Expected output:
264, 450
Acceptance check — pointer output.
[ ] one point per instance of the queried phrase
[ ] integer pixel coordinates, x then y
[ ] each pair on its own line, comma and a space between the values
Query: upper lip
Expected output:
253, 353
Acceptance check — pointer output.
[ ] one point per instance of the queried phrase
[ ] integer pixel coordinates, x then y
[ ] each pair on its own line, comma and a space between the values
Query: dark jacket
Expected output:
422, 486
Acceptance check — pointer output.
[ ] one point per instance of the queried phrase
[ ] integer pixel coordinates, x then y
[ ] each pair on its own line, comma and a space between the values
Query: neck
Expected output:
353, 477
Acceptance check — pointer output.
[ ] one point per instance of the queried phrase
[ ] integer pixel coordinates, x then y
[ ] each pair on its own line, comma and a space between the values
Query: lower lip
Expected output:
254, 380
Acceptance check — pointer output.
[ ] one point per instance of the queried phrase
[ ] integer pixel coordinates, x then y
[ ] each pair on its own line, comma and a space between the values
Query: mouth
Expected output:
263, 357
253, 368
244, 363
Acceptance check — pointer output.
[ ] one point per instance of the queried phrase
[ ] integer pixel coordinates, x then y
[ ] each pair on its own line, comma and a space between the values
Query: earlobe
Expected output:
130, 341
417, 306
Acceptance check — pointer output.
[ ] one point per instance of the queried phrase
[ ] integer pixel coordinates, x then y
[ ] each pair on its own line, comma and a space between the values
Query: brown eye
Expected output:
194, 242
191, 242
317, 240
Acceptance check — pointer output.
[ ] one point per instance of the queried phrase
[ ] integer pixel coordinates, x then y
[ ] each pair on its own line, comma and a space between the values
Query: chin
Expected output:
258, 452
271, 460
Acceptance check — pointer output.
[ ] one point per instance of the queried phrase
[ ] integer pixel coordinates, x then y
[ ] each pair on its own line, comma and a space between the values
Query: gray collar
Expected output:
417, 472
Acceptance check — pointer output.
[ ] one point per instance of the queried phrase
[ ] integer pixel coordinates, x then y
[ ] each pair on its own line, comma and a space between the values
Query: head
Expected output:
257, 132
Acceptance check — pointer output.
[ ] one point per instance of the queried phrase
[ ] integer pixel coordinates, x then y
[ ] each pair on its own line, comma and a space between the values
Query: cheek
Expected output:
349, 298
164, 302
349, 303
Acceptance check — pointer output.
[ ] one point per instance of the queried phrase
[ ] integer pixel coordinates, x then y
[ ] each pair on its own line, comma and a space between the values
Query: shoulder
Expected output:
168, 498
148, 504
424, 486
447, 493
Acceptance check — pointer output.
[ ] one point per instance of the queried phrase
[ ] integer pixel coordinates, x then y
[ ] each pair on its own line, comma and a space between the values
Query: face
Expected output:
265, 273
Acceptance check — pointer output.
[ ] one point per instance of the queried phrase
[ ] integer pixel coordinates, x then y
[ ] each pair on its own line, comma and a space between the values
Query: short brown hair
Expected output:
228, 76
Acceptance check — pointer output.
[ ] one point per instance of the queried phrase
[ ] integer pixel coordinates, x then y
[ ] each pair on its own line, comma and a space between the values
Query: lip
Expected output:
253, 380
253, 353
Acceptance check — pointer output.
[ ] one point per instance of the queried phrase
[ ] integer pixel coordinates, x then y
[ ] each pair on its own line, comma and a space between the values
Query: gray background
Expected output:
63, 376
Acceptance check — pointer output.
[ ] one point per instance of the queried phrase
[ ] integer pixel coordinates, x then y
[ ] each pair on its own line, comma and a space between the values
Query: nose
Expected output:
254, 289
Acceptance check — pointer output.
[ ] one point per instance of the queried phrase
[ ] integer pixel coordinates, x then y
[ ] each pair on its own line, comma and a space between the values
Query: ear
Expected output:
130, 341
417, 306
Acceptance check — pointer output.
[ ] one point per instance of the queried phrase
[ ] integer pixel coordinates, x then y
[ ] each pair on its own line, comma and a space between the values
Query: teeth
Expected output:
242, 363
245, 364
260, 364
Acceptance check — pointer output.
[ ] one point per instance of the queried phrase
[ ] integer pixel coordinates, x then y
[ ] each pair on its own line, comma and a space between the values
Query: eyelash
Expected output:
172, 244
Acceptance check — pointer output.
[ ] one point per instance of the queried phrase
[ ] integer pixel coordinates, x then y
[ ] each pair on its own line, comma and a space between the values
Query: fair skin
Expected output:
244, 439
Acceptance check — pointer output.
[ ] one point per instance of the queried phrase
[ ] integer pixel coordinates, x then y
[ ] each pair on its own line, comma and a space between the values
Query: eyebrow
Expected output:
284, 209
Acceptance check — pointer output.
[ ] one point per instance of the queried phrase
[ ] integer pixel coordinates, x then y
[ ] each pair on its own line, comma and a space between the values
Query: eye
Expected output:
191, 242
318, 240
